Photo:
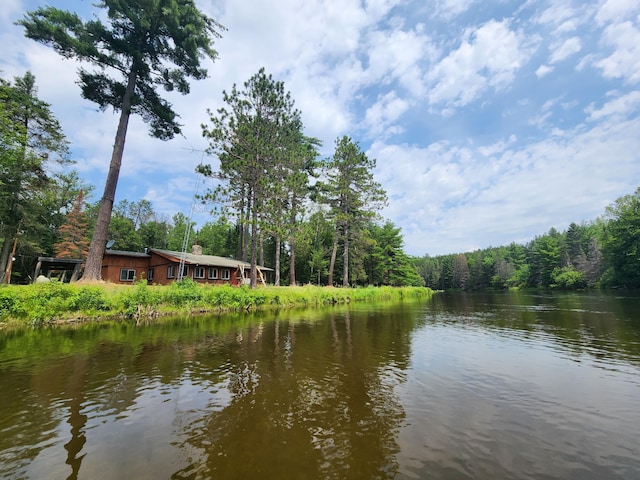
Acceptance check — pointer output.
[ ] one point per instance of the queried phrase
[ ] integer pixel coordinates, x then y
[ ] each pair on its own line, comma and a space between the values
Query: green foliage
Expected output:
143, 46
621, 242
176, 233
30, 139
90, 299
568, 278
218, 238
352, 195
56, 301
568, 260
387, 264
258, 140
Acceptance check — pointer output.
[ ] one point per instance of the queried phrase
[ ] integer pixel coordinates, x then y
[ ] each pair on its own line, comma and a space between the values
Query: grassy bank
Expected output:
60, 302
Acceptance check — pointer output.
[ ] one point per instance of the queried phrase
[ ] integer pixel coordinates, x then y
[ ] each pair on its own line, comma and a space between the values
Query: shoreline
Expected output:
62, 303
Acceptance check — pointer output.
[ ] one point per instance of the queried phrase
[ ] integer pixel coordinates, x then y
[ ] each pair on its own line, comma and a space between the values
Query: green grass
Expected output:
60, 302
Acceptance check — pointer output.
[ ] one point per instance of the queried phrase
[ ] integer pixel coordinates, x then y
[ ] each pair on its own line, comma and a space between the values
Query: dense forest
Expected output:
602, 253
276, 201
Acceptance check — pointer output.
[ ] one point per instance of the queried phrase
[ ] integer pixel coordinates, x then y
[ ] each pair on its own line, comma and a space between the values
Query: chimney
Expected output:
196, 249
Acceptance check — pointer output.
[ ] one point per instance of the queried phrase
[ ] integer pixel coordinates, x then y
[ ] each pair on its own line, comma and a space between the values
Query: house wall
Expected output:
113, 264
155, 269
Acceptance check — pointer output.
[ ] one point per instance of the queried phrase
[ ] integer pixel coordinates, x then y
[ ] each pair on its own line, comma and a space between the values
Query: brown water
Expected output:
494, 386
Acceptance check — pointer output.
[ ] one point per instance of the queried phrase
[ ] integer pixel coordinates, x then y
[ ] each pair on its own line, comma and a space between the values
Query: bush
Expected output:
568, 278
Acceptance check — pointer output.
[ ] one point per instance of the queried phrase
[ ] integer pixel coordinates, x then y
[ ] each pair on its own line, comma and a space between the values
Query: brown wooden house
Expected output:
162, 267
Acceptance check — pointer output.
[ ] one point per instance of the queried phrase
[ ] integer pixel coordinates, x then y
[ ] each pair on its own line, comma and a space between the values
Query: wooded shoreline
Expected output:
53, 303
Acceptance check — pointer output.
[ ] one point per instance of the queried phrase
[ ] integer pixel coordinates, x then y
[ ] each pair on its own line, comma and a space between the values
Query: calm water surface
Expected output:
491, 386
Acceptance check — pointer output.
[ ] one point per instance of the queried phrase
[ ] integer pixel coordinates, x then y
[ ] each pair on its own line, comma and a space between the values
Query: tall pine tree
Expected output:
353, 196
74, 242
138, 45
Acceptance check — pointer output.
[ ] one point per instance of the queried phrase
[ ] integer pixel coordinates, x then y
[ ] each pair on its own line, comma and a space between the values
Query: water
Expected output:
485, 386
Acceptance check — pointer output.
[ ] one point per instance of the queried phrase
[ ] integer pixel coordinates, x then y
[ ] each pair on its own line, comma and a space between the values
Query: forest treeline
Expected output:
602, 253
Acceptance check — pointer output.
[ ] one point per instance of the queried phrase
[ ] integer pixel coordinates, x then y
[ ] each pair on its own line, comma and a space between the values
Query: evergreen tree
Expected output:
255, 140
388, 264
30, 138
353, 196
74, 242
621, 244
139, 43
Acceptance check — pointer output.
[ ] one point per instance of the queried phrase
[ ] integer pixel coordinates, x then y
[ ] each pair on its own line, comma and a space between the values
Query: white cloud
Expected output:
448, 9
624, 62
487, 57
381, 116
559, 13
618, 108
446, 204
397, 56
569, 47
10, 9
615, 10
543, 70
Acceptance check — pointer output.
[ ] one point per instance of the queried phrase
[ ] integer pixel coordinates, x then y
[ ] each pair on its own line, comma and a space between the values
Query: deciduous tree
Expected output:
622, 240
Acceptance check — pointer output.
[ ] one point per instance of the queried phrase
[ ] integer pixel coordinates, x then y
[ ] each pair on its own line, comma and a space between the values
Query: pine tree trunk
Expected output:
6, 276
93, 267
277, 265
253, 281
261, 256
345, 256
332, 262
4, 256
292, 262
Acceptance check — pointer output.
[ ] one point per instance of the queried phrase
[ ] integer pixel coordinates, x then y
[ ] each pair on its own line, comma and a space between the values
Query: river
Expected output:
461, 386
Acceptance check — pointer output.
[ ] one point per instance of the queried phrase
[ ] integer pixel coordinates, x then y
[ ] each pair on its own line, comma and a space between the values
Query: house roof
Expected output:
124, 253
203, 260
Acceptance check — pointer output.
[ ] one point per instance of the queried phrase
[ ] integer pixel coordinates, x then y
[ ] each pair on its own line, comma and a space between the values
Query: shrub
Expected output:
568, 278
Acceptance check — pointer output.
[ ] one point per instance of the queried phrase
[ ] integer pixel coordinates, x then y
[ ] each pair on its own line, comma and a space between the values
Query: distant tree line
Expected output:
603, 253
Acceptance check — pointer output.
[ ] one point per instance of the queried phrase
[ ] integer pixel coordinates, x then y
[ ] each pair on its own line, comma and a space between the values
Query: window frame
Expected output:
225, 274
128, 277
171, 271
212, 273
198, 272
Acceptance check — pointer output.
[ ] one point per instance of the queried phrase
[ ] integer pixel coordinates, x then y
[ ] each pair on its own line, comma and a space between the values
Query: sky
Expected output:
490, 121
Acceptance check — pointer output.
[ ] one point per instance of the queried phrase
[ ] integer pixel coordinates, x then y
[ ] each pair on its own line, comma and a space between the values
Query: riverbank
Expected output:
41, 304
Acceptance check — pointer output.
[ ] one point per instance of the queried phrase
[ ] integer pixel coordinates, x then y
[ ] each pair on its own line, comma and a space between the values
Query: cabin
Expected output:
161, 267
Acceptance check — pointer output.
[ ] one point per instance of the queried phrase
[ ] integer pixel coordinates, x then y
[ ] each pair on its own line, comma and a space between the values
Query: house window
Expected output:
171, 271
198, 272
185, 271
150, 274
213, 273
225, 274
127, 275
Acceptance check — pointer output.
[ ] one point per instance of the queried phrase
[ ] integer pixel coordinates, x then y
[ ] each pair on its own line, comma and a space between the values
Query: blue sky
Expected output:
491, 121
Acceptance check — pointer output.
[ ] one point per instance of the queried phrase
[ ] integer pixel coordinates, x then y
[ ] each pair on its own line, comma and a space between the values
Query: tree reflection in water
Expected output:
308, 400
